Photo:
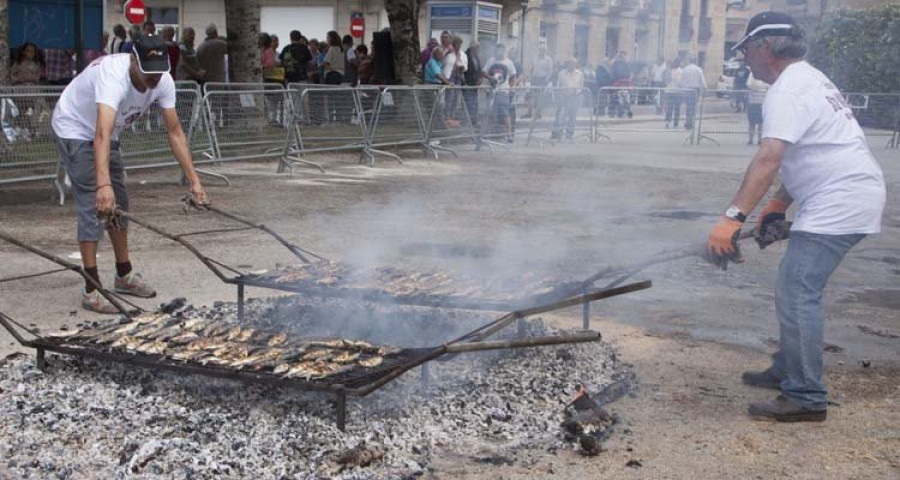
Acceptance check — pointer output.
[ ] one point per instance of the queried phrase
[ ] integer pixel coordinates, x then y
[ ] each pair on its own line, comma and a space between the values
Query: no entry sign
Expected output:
135, 12
357, 25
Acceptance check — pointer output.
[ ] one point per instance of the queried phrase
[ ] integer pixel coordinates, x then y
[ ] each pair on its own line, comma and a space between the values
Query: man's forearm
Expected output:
757, 181
101, 159
783, 195
179, 145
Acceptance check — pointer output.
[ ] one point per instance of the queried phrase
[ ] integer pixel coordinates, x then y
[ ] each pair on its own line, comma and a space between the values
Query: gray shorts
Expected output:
78, 158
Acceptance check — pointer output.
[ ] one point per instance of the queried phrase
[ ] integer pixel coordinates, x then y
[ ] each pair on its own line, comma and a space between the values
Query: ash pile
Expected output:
83, 418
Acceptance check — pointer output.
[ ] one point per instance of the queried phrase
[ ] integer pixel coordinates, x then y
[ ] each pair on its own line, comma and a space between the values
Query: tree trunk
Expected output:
4, 42
242, 23
404, 18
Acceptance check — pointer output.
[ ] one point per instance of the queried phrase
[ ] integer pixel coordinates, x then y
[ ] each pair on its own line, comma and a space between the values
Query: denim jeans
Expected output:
810, 260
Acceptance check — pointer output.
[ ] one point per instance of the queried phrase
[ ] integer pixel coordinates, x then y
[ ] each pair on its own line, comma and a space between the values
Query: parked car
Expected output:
725, 83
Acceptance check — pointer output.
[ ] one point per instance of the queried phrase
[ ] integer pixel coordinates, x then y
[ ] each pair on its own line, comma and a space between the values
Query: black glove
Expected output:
772, 228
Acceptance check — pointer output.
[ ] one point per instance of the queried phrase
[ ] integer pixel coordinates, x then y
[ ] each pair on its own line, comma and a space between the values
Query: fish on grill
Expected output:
217, 343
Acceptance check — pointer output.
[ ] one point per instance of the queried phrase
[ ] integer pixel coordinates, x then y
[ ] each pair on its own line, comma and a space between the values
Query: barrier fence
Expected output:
228, 122
732, 114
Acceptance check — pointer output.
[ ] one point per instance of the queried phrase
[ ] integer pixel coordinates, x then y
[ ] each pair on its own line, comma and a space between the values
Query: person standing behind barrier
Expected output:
271, 67
295, 59
107, 97
473, 78
739, 87
426, 52
312, 70
602, 79
172, 48
755, 97
119, 39
434, 75
541, 73
569, 83
501, 72
673, 96
188, 66
58, 66
620, 100
333, 63
692, 79
365, 67
455, 65
133, 32
658, 80
211, 55
351, 66
26, 70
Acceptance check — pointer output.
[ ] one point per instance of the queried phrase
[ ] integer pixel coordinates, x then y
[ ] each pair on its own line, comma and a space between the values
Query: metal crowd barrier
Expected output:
146, 143
27, 142
553, 114
628, 109
877, 113
454, 118
248, 124
399, 120
325, 120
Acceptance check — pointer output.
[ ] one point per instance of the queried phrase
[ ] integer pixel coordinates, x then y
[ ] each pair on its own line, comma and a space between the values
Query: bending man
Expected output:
109, 95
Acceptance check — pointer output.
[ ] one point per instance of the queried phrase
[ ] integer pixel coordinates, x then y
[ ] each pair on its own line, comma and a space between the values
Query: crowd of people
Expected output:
615, 84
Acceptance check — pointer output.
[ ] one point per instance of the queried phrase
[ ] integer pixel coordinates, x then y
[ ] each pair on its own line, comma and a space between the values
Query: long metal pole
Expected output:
79, 35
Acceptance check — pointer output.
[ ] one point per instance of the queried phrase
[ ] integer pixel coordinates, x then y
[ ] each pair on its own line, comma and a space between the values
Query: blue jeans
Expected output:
810, 260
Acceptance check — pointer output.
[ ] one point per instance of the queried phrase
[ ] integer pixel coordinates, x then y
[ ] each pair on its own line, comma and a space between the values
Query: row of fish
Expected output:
217, 343
404, 283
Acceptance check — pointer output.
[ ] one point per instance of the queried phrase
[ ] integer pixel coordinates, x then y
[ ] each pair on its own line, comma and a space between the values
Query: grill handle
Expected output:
523, 342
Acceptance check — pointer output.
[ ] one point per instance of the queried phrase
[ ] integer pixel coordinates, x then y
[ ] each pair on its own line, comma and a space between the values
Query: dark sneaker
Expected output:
95, 302
783, 409
133, 284
764, 379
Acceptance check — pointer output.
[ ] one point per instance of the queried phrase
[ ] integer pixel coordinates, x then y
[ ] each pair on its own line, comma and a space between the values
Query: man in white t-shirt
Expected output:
501, 72
812, 139
108, 96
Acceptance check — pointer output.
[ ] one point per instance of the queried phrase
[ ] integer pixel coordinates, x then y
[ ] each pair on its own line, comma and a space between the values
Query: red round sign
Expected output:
135, 11
357, 27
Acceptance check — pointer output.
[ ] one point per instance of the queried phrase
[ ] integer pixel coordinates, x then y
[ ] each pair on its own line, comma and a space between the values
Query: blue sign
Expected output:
452, 11
51, 23
492, 13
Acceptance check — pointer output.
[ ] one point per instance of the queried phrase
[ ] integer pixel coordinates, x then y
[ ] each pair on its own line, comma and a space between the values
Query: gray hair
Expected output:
788, 46
211, 30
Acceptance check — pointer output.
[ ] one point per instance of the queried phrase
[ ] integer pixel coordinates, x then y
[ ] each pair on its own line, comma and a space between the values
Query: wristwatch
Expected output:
735, 213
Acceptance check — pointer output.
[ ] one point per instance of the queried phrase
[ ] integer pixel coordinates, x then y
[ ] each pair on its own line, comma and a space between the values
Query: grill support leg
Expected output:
41, 360
426, 376
240, 302
341, 411
586, 315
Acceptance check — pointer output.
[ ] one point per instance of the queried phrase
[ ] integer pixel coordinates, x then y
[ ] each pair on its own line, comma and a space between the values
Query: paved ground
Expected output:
563, 211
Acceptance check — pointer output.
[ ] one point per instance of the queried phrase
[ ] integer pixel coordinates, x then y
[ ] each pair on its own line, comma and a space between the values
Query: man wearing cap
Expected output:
810, 137
108, 96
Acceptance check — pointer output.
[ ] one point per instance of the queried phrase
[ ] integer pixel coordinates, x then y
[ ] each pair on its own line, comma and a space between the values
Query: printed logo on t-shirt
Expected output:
499, 72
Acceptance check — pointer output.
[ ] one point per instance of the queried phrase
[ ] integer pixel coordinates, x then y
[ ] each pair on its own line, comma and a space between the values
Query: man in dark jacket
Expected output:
295, 59
473, 76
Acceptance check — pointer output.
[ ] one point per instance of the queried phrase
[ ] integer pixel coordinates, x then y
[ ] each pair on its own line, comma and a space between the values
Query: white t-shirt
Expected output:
451, 60
542, 67
500, 71
828, 169
565, 79
106, 80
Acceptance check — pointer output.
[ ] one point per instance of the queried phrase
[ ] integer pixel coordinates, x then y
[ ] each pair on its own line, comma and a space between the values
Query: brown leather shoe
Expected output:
763, 379
783, 409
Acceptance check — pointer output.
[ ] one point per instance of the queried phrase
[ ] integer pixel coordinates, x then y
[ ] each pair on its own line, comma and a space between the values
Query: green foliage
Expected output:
859, 50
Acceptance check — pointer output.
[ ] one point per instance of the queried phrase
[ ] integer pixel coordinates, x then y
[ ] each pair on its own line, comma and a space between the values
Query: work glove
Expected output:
722, 246
772, 226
